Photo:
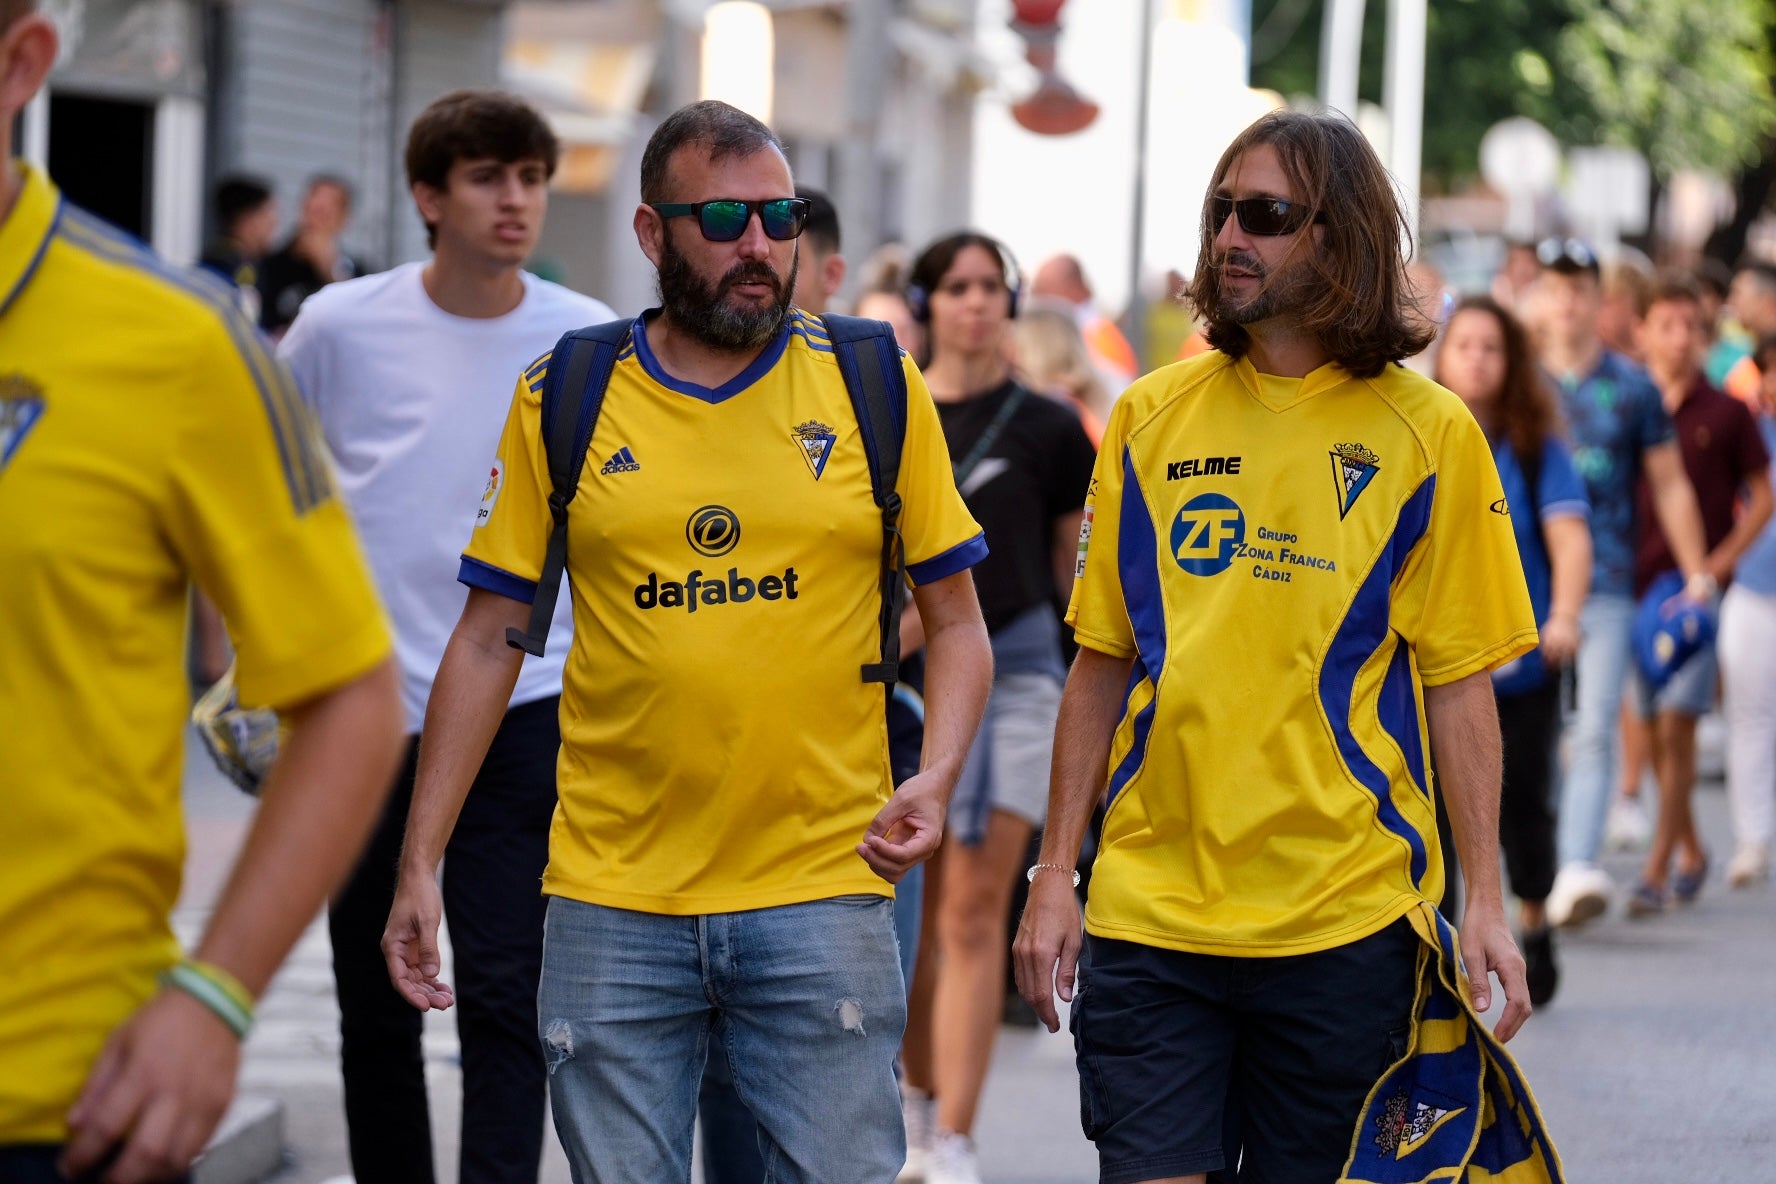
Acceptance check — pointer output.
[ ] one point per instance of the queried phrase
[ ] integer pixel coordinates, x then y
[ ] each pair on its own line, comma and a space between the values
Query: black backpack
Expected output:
574, 382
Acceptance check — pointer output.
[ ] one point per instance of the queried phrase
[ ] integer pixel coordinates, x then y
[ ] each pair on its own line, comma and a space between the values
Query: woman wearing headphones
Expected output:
1022, 463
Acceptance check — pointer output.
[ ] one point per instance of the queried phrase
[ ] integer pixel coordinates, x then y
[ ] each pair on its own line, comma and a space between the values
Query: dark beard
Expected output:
703, 311
1279, 293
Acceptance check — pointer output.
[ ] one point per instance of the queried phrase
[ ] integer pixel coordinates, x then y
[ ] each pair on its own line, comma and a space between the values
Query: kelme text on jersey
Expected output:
697, 590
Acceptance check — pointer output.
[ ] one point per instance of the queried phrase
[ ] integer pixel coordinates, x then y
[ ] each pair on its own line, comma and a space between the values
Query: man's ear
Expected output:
429, 201
650, 232
832, 275
27, 54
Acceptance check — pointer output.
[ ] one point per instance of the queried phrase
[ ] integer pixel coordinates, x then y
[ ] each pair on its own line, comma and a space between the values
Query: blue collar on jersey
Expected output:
760, 366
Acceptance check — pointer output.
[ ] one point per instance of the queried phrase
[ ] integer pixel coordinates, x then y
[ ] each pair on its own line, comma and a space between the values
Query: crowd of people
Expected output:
874, 624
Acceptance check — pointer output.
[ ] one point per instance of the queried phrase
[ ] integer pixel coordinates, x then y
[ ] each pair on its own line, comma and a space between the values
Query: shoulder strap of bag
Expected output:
869, 359
574, 381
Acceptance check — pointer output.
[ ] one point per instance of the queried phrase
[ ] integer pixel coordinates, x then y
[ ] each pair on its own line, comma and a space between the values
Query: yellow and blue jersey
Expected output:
720, 750
1289, 563
147, 438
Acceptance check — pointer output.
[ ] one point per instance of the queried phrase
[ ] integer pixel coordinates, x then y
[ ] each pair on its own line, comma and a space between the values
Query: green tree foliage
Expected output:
1686, 84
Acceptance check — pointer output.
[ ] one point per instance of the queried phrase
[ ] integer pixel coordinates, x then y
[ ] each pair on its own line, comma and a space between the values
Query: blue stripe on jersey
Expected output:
305, 473
960, 557
536, 368
818, 345
1364, 631
1137, 561
55, 222
498, 580
1398, 711
536, 385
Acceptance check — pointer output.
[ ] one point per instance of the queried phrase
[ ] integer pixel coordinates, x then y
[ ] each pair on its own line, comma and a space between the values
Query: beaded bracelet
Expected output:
1036, 867
216, 989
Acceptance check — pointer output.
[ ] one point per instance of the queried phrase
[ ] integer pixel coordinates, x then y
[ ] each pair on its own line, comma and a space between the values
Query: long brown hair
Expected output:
1362, 314
1526, 405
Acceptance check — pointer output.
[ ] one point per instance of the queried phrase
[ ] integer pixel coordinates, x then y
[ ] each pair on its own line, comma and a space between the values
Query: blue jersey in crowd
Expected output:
1560, 492
1614, 414
1757, 567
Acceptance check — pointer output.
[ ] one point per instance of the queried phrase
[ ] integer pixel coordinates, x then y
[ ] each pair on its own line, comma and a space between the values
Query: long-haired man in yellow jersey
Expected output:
149, 440
1296, 572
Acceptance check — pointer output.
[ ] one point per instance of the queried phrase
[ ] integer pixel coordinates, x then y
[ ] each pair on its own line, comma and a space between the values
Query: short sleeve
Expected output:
255, 515
1098, 612
512, 524
1461, 600
1562, 493
303, 350
1072, 460
940, 536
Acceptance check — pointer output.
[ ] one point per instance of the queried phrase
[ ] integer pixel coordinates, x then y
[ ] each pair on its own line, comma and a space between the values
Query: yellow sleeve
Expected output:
511, 535
1098, 612
940, 536
254, 515
1462, 602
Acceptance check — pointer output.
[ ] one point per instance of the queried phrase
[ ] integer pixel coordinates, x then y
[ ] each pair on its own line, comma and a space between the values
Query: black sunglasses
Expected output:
1262, 216
725, 219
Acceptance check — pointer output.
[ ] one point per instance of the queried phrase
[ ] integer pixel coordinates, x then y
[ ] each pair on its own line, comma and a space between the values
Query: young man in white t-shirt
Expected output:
410, 373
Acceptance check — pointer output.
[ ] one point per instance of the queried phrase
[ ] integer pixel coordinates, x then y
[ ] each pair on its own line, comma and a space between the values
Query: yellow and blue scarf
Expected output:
1456, 1106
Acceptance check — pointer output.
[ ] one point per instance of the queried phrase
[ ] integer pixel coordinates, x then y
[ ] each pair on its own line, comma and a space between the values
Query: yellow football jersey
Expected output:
720, 750
147, 438
1289, 563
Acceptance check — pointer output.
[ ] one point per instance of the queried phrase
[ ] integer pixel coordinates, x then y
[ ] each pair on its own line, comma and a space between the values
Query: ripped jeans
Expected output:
805, 1000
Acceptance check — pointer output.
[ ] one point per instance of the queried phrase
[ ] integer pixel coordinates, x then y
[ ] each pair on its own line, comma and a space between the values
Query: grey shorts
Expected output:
1689, 691
1007, 768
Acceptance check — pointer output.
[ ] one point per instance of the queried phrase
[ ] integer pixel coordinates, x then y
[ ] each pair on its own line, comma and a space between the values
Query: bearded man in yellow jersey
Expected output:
1296, 571
720, 863
149, 440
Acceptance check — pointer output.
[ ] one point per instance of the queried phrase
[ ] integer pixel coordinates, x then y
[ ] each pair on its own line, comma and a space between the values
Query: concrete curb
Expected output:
248, 1146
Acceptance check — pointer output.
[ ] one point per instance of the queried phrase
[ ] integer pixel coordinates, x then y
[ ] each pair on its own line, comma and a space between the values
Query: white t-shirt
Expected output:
411, 400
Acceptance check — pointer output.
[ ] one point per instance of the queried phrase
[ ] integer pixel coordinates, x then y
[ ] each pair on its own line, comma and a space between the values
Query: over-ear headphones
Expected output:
928, 271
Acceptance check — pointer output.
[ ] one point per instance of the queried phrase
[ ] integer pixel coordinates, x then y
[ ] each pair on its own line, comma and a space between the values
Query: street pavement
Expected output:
1655, 1065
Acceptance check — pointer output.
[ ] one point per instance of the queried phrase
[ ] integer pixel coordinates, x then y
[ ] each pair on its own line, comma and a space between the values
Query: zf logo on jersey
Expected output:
815, 440
21, 406
1085, 539
496, 480
1208, 533
1353, 468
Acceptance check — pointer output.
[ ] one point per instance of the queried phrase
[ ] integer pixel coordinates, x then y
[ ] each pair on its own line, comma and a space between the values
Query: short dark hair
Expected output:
822, 226
1714, 277
935, 261
1670, 287
1363, 314
722, 129
475, 125
236, 197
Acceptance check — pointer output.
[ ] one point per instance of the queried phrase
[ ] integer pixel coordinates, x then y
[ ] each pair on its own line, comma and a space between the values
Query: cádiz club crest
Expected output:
1353, 468
816, 442
21, 406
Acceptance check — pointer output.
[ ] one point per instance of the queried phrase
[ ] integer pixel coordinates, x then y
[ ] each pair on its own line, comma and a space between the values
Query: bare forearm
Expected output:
1569, 557
1463, 719
468, 701
958, 677
316, 809
1090, 709
1674, 502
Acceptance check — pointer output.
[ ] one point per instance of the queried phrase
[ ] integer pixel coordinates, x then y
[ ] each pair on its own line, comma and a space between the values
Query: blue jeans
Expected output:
1606, 625
805, 1000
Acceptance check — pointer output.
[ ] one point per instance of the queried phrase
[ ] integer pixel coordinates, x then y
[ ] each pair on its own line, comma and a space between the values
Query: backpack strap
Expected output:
574, 381
869, 358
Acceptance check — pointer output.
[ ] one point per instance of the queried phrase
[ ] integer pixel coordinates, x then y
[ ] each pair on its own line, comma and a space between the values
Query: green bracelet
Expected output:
217, 990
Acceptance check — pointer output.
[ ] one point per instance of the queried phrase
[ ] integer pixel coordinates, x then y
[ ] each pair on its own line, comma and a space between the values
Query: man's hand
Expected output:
908, 829
1046, 952
1487, 948
410, 942
155, 1094
1560, 640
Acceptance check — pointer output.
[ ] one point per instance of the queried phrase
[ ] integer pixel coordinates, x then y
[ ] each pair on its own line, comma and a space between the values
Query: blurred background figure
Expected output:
1022, 463
820, 267
883, 297
1728, 341
1486, 360
312, 258
1747, 647
1625, 284
246, 213
1433, 302
1516, 277
1051, 358
1062, 279
1752, 301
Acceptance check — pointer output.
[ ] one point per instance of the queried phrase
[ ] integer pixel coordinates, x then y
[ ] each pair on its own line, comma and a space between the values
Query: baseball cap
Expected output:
1569, 256
1668, 629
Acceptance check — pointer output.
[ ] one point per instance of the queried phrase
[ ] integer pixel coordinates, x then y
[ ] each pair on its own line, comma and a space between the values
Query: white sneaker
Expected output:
952, 1160
1581, 893
1627, 828
918, 1110
1751, 863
